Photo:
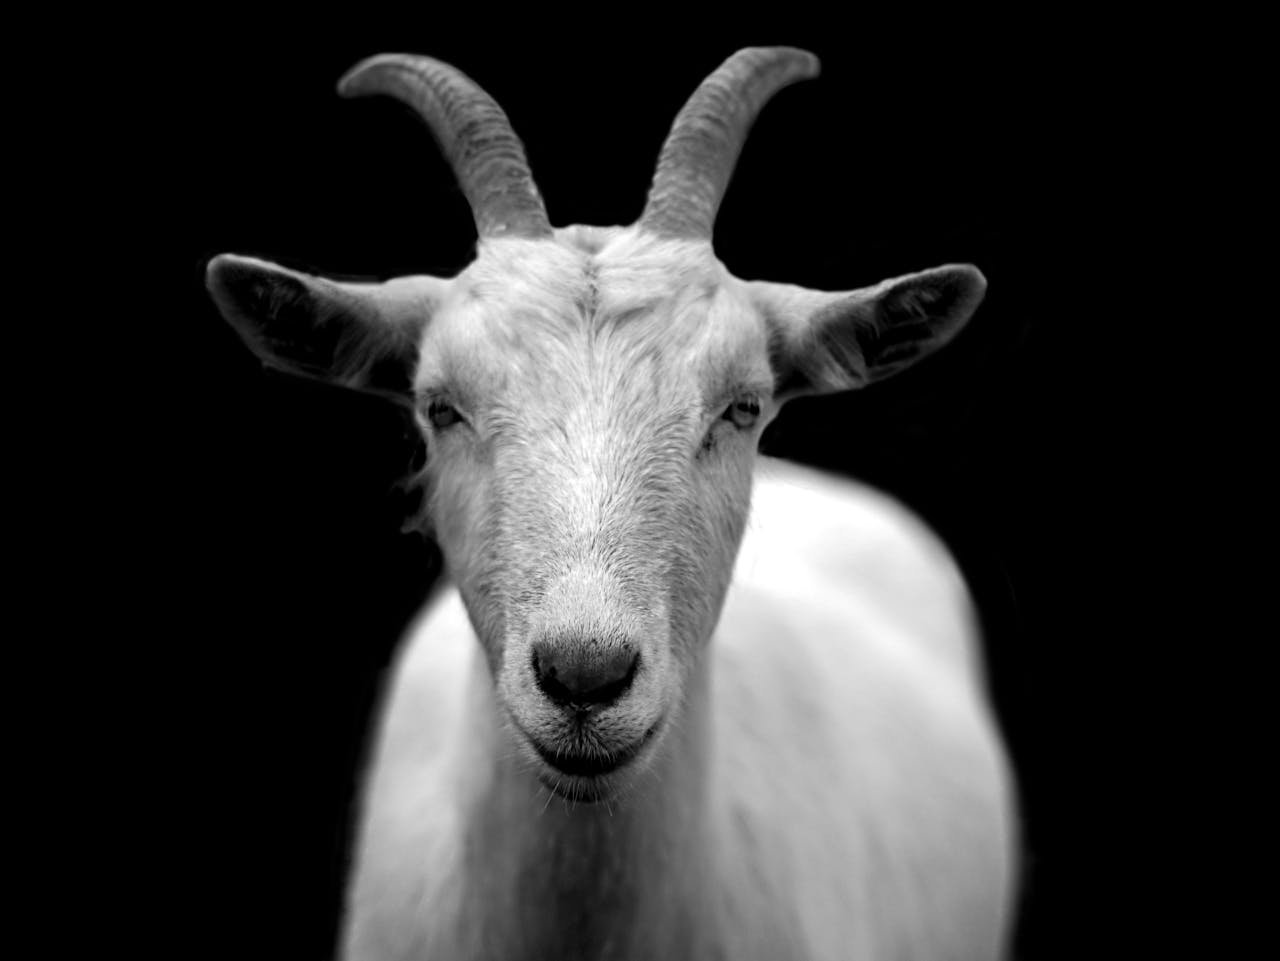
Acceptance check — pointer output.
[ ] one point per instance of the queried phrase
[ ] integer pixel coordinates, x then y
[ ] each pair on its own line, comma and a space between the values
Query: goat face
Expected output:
592, 399
592, 407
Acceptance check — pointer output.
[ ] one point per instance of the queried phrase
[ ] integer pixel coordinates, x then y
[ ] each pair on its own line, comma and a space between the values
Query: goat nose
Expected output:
582, 676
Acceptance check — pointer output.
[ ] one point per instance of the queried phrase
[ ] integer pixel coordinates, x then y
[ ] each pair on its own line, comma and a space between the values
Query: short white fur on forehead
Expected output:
522, 298
628, 265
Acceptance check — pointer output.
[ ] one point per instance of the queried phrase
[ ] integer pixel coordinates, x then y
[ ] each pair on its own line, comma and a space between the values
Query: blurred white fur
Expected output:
856, 801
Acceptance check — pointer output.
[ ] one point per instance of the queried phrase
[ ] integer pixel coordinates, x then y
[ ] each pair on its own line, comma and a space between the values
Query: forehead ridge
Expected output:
592, 274
621, 293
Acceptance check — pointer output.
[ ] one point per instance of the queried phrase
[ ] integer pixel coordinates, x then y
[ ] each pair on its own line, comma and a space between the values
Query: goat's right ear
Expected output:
362, 336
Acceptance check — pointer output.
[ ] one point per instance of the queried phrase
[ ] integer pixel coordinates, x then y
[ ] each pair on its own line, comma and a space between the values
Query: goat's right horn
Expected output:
698, 158
472, 130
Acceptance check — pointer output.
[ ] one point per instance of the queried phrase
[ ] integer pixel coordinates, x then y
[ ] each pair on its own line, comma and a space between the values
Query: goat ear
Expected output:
827, 342
362, 336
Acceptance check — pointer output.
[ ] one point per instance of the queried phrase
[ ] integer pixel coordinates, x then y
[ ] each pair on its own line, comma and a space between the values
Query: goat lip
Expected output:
578, 790
575, 769
589, 765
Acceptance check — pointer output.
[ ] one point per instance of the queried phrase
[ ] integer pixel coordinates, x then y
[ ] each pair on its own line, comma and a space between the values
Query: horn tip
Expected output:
812, 64
805, 63
356, 81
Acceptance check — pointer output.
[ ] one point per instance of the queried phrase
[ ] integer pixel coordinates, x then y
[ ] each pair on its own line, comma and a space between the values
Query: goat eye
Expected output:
441, 415
743, 412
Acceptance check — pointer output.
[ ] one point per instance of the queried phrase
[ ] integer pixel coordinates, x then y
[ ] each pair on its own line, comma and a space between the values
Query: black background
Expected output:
282, 582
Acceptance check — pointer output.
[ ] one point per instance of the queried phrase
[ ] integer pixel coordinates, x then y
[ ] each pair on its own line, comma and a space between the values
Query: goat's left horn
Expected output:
698, 158
472, 130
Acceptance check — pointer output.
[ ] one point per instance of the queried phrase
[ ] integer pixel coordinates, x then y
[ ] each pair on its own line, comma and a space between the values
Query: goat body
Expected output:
838, 789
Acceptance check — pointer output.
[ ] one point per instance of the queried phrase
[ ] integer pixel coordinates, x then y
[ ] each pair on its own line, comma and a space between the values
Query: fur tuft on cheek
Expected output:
415, 489
711, 527
456, 511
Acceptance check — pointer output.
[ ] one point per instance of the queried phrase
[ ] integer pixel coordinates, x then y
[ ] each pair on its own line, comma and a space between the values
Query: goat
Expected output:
677, 701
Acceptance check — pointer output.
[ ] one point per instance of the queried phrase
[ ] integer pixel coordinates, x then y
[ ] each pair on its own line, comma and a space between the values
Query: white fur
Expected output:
837, 788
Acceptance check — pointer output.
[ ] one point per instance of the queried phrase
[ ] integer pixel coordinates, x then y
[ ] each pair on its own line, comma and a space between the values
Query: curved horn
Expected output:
475, 135
698, 158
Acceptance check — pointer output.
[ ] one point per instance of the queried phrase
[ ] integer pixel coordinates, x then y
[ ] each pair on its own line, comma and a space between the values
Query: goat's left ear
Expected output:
362, 336
826, 342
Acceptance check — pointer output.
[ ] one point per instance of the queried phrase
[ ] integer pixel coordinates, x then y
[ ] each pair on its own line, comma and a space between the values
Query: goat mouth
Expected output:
589, 764
582, 775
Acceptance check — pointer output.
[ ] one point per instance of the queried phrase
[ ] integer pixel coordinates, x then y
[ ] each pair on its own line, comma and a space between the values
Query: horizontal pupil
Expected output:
743, 412
441, 415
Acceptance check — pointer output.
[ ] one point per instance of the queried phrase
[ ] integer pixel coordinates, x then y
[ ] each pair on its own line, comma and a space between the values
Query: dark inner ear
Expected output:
910, 321
859, 338
313, 327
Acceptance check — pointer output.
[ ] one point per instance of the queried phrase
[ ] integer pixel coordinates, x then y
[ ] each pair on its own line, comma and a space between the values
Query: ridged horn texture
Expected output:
472, 130
699, 156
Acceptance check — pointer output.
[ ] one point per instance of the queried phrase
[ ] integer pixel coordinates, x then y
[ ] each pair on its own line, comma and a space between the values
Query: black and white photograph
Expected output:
624, 493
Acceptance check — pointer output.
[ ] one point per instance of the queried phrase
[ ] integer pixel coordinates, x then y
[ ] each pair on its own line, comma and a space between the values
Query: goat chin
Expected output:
832, 786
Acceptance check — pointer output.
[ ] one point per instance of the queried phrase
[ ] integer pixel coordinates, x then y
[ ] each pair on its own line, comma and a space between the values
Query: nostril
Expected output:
578, 676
